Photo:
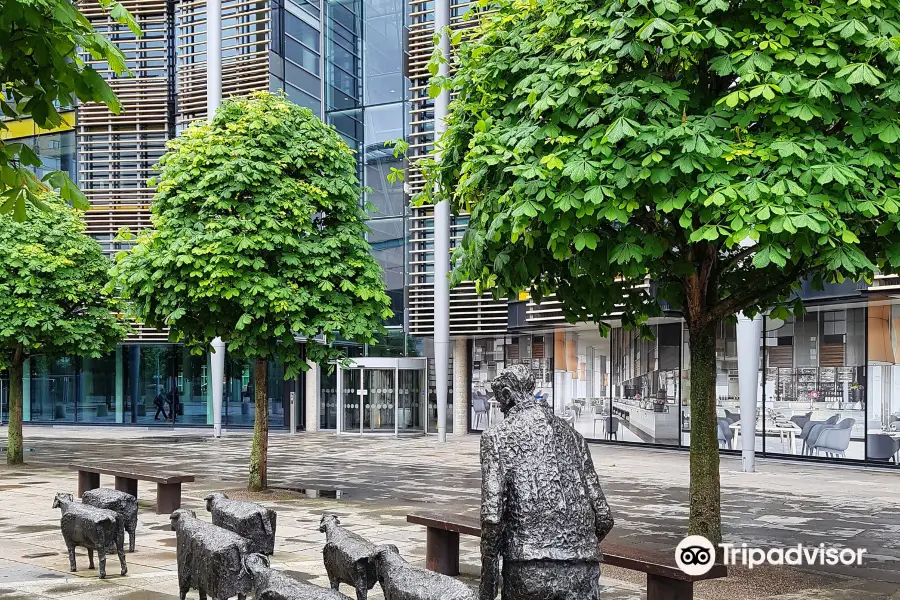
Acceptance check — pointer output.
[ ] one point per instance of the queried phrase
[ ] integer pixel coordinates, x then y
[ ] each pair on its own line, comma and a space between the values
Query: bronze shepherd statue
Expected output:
542, 509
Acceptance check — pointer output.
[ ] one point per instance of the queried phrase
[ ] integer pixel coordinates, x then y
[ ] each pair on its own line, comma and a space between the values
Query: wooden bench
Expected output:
665, 581
168, 485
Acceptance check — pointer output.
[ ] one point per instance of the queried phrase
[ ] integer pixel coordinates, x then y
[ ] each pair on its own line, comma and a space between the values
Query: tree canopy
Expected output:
258, 236
723, 150
41, 72
52, 297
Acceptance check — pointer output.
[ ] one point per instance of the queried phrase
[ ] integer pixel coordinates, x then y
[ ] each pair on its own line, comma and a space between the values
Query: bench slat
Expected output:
646, 561
156, 477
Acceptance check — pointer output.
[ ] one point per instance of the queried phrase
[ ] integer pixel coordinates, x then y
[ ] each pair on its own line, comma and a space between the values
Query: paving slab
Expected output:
372, 483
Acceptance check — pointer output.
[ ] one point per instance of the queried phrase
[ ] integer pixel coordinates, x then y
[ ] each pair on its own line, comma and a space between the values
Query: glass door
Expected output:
351, 396
411, 400
378, 400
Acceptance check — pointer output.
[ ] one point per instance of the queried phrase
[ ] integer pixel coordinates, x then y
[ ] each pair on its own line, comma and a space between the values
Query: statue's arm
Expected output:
603, 515
492, 505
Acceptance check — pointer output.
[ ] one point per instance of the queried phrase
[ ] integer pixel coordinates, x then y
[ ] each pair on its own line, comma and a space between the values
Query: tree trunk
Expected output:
15, 454
705, 513
259, 453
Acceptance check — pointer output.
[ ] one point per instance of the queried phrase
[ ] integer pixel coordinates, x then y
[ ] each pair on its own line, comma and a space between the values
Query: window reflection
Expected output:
389, 249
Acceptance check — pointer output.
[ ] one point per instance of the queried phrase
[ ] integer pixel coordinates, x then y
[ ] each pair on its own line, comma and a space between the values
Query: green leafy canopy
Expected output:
258, 236
41, 71
724, 150
52, 280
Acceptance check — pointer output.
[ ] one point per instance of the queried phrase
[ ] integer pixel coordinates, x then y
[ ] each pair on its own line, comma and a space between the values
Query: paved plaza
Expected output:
371, 483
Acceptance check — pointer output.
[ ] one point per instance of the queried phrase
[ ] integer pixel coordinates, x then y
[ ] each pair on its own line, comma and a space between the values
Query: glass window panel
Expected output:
303, 99
52, 389
301, 55
388, 248
883, 390
302, 31
383, 51
383, 124
96, 389
302, 80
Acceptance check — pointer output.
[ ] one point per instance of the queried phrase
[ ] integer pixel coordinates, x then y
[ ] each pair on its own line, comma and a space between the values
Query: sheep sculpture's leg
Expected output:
90, 552
71, 548
101, 556
361, 581
120, 550
131, 531
202, 593
333, 579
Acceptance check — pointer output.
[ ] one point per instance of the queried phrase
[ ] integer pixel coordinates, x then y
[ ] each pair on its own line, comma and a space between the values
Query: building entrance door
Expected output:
379, 406
382, 395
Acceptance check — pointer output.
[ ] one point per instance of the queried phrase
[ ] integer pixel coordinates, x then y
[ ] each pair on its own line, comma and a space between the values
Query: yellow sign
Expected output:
26, 127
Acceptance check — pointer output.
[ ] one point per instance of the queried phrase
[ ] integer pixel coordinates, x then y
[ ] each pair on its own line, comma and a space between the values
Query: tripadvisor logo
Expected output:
696, 555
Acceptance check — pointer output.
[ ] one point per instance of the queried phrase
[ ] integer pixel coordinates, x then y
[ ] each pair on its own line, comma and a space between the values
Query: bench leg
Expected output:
663, 588
87, 481
442, 551
168, 498
129, 486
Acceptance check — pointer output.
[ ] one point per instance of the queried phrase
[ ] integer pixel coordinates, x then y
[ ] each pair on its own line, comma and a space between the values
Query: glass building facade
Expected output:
828, 382
147, 385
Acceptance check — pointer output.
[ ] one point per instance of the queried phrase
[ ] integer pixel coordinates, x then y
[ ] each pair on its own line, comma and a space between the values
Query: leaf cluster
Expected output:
41, 71
725, 150
258, 237
52, 288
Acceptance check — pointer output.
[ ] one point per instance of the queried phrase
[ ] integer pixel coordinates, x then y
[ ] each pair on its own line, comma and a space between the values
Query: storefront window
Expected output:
239, 406
492, 355
815, 381
52, 389
646, 388
96, 387
883, 378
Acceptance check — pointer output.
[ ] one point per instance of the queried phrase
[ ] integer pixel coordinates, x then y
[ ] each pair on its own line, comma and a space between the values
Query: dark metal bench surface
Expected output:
125, 473
651, 562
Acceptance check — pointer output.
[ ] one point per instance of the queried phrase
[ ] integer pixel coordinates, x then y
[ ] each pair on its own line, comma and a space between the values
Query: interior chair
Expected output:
726, 434
610, 427
801, 420
833, 440
807, 429
883, 448
599, 415
480, 405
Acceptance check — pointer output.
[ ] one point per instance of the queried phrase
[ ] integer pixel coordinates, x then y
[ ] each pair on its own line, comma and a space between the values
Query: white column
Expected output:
460, 386
217, 381
442, 235
213, 100
312, 397
213, 56
749, 333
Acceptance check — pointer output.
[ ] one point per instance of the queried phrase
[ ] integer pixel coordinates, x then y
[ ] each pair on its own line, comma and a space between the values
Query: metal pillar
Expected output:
749, 333
217, 380
442, 235
213, 57
213, 100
